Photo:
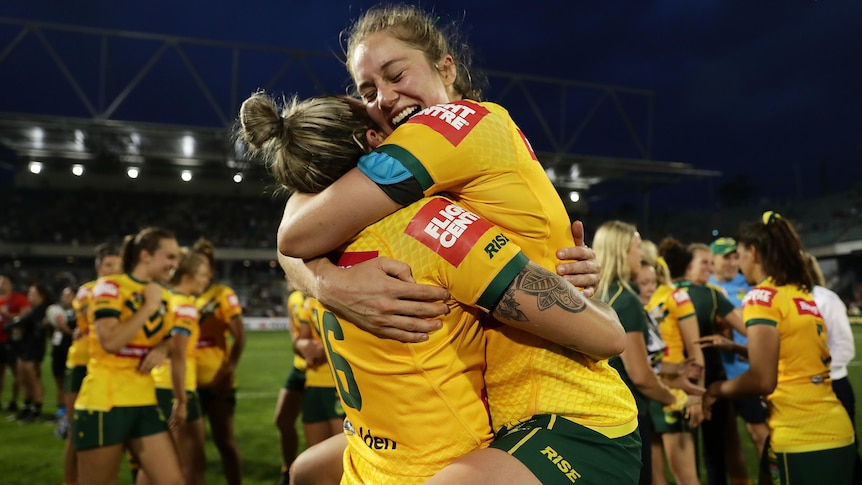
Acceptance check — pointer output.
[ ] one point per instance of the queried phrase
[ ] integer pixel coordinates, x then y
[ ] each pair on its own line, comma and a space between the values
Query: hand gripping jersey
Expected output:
295, 305
668, 306
414, 408
113, 379
217, 305
79, 351
476, 154
182, 318
804, 414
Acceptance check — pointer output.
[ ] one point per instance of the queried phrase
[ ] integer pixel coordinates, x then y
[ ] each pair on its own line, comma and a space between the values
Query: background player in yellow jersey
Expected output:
217, 358
675, 313
288, 407
116, 405
176, 379
260, 120
811, 437
107, 263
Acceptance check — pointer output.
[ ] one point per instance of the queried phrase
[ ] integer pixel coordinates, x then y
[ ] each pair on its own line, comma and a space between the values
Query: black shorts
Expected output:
752, 410
58, 360
7, 354
32, 351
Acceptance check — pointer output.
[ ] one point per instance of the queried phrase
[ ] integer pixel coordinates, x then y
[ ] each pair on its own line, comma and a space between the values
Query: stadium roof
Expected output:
166, 103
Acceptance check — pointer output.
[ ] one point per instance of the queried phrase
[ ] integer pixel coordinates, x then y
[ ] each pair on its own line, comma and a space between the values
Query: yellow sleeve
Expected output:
106, 299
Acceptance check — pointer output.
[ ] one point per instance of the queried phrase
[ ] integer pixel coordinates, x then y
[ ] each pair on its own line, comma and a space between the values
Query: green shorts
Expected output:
166, 404
295, 380
560, 452
207, 397
667, 421
95, 429
321, 404
834, 466
73, 378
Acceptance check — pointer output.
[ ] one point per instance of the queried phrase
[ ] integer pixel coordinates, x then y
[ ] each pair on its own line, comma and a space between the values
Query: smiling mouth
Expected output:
404, 115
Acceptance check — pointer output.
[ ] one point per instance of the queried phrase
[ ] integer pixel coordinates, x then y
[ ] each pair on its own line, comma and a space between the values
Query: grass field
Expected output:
30, 454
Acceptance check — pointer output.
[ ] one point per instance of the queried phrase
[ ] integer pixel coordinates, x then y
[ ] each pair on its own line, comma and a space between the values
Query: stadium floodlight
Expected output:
35, 167
78, 169
133, 172
574, 196
188, 145
237, 178
186, 175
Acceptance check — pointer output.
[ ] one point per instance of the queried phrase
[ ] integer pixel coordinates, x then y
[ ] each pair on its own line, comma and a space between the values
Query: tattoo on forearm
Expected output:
550, 290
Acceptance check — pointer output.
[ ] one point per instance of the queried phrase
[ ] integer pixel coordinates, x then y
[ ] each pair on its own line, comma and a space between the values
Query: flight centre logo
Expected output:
447, 229
452, 120
759, 296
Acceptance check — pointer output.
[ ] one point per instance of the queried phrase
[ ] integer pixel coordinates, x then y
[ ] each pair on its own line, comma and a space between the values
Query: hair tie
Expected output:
770, 216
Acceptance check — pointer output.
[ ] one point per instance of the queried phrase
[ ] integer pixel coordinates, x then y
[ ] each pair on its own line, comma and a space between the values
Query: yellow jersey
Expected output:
319, 376
79, 351
295, 303
804, 413
217, 306
476, 154
113, 379
182, 318
668, 306
414, 408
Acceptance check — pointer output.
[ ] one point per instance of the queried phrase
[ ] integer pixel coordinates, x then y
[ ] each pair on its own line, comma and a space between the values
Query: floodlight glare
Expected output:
186, 175
35, 167
133, 172
78, 169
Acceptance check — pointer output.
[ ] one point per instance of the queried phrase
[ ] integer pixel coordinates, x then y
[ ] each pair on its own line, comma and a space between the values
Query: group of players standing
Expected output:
149, 358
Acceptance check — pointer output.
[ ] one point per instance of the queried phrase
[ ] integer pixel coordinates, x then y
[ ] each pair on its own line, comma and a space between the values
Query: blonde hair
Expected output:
420, 30
311, 143
187, 265
651, 257
611, 244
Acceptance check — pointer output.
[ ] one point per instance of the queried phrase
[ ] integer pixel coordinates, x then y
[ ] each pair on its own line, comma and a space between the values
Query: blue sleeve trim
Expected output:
181, 330
383, 168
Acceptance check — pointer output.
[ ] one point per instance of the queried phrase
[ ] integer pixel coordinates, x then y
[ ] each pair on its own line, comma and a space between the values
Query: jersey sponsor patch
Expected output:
807, 307
759, 296
351, 258
133, 351
448, 230
106, 289
681, 296
453, 120
186, 311
233, 300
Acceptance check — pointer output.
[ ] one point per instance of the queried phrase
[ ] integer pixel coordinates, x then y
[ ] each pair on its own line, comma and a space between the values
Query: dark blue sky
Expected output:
774, 92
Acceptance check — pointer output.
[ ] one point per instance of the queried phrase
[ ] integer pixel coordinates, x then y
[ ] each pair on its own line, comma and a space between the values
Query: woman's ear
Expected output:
446, 68
374, 138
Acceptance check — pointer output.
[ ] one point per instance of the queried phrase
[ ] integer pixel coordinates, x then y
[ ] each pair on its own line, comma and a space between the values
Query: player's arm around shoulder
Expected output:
545, 304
